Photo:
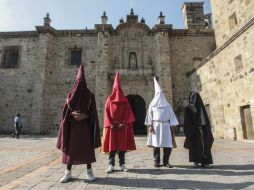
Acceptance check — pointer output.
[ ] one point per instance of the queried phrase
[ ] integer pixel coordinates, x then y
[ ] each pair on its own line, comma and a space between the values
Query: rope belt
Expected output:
161, 121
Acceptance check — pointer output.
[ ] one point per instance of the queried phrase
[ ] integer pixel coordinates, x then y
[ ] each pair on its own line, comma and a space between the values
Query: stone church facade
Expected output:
39, 67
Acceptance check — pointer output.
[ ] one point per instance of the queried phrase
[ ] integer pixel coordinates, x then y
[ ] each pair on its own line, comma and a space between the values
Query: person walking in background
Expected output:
17, 125
197, 129
160, 118
118, 135
79, 132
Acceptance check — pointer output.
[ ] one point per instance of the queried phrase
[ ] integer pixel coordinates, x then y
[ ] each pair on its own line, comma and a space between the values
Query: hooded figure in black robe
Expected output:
197, 129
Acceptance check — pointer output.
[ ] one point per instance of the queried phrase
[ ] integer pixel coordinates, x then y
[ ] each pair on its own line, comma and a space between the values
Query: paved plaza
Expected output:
35, 163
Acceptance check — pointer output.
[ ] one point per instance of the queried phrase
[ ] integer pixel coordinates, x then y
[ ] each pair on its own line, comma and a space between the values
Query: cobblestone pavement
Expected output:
35, 163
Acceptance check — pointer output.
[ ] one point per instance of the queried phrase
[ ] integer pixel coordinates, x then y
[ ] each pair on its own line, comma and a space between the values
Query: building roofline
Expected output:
189, 3
30, 34
192, 32
18, 34
94, 32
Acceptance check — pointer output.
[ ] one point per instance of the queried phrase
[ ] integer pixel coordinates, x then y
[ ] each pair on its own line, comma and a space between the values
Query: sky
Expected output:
24, 15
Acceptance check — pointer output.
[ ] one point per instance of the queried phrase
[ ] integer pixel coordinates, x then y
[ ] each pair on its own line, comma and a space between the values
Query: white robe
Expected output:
160, 115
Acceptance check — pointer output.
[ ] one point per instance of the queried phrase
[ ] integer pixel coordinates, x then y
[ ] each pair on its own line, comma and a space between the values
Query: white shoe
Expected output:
110, 169
123, 168
90, 176
67, 176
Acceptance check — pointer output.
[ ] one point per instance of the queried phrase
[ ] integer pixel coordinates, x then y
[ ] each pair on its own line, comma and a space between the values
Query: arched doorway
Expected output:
138, 106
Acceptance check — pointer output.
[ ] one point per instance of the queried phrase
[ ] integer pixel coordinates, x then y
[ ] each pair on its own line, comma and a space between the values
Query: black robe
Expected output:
197, 129
78, 139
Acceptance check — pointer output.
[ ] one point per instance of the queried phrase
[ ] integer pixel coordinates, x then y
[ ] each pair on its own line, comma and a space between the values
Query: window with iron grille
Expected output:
76, 56
10, 57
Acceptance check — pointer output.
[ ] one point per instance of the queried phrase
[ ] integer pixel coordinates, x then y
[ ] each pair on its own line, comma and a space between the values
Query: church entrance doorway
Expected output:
138, 106
247, 124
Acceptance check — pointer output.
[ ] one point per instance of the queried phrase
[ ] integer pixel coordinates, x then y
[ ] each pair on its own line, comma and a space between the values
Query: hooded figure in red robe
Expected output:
118, 133
79, 132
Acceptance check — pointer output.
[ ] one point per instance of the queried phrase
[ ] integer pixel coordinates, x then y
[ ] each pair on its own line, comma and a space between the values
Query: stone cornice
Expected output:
192, 32
104, 27
99, 27
20, 34
224, 45
76, 33
58, 33
129, 24
161, 28
46, 29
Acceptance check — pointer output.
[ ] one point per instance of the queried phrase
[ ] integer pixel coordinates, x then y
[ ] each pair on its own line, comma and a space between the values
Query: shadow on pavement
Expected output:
224, 167
169, 183
223, 170
29, 137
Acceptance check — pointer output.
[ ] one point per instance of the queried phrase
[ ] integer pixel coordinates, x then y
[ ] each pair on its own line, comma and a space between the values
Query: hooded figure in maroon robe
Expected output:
78, 138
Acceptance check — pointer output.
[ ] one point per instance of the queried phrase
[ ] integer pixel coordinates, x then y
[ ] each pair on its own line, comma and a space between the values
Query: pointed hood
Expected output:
197, 106
159, 99
117, 81
117, 108
81, 75
79, 97
117, 94
157, 88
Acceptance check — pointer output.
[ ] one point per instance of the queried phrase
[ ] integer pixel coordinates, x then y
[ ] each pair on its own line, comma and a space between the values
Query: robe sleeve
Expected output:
63, 134
188, 132
172, 118
95, 124
107, 116
149, 117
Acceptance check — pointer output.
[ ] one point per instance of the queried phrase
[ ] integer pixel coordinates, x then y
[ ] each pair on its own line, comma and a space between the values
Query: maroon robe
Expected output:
78, 139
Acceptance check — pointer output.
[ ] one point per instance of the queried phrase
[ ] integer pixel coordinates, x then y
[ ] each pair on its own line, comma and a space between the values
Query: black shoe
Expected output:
168, 165
157, 165
195, 165
206, 166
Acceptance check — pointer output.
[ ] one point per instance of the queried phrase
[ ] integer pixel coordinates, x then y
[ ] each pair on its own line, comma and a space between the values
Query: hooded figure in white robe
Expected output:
161, 117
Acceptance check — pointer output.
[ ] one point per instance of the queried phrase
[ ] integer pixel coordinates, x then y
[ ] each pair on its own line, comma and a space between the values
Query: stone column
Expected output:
162, 62
38, 89
102, 70
41, 89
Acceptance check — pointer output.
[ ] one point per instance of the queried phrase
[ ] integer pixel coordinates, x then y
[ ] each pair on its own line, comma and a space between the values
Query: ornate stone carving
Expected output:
133, 62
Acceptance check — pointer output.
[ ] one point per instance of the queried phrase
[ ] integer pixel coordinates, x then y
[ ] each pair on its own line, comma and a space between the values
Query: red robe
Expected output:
118, 111
78, 139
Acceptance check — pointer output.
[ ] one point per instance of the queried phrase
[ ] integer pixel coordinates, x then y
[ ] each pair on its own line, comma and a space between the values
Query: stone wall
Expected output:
38, 87
61, 75
226, 23
186, 52
17, 85
225, 81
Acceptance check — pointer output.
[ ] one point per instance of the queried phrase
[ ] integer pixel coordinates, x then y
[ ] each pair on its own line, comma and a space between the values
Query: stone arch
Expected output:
138, 106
